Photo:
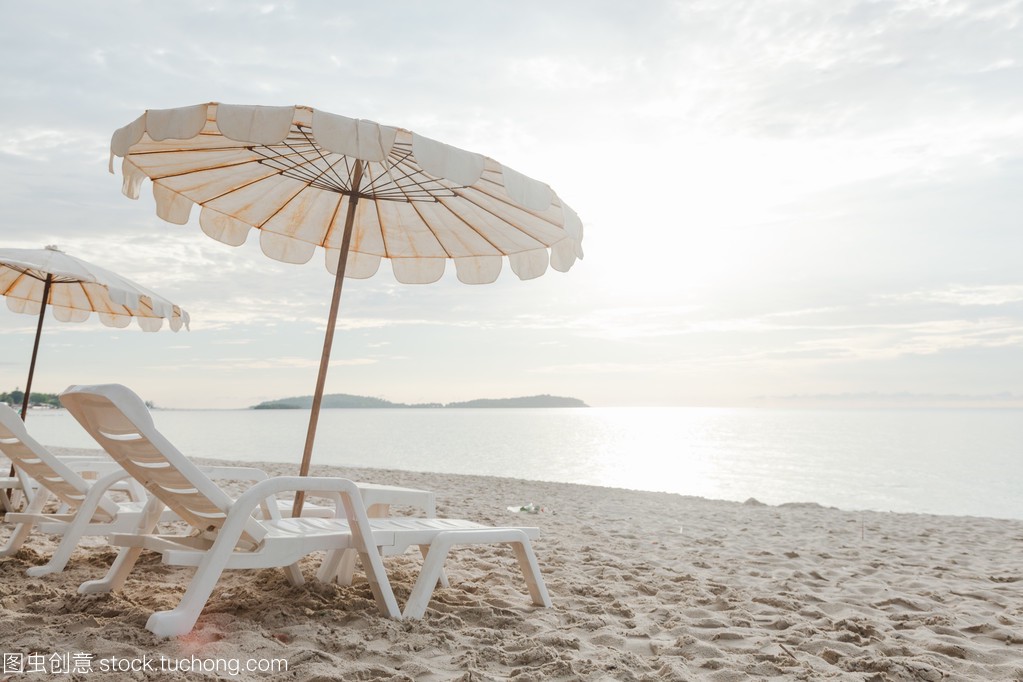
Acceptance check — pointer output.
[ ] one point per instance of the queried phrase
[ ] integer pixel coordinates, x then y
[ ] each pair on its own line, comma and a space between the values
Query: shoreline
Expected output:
645, 586
365, 473
961, 465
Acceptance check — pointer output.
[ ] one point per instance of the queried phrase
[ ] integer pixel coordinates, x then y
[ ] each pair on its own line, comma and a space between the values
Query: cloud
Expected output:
36, 145
904, 398
983, 295
601, 368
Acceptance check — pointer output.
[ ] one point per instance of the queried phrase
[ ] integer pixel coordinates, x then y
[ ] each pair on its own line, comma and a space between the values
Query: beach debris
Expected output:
531, 508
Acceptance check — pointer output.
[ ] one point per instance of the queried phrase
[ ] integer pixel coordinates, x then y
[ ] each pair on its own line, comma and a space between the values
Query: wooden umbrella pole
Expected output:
32, 364
328, 337
35, 347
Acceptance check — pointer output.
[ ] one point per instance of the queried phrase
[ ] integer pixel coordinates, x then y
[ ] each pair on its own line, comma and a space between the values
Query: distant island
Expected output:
17, 396
343, 400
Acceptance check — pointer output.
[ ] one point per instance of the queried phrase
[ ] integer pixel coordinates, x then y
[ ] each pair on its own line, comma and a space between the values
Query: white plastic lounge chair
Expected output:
86, 507
80, 486
227, 536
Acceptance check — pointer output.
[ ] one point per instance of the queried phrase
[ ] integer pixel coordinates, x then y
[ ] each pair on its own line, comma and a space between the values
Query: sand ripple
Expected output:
646, 586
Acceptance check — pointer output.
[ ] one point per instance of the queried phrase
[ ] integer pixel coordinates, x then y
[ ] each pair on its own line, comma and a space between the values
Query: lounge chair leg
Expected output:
22, 530
60, 557
373, 564
531, 572
433, 565
327, 572
72, 536
116, 574
346, 568
294, 574
126, 558
424, 550
344, 564
17, 539
181, 619
338, 566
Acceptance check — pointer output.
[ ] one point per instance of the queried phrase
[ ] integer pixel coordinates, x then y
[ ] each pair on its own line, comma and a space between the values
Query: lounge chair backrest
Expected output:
26, 453
120, 422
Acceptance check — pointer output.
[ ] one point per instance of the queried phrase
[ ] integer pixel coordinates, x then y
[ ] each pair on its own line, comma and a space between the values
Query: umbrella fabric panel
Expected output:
258, 202
407, 233
454, 236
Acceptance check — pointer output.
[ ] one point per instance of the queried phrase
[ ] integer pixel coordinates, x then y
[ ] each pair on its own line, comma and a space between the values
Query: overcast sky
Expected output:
785, 201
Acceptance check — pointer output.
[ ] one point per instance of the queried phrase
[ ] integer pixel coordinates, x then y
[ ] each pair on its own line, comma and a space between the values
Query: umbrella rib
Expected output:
85, 292
410, 183
410, 176
389, 167
26, 272
300, 171
380, 222
190, 150
503, 219
330, 225
283, 204
232, 164
276, 172
399, 160
331, 167
38, 275
474, 228
507, 203
21, 275
224, 194
205, 169
222, 166
114, 310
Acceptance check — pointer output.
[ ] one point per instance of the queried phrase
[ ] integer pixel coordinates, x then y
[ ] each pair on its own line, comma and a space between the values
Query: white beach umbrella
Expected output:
362, 191
33, 279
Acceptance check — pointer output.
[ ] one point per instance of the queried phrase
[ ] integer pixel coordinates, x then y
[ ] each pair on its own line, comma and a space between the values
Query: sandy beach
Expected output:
646, 586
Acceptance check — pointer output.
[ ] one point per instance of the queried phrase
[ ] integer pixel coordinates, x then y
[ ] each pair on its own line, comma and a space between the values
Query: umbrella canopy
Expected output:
360, 190
32, 279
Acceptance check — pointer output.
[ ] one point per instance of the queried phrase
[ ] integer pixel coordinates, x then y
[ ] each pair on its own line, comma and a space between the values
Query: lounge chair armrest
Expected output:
335, 488
105, 482
98, 489
98, 465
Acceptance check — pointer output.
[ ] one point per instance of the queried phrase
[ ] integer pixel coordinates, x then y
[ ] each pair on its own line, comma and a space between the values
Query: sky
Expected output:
786, 202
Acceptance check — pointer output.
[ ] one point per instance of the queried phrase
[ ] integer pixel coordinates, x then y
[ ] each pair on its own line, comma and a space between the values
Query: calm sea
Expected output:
942, 461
